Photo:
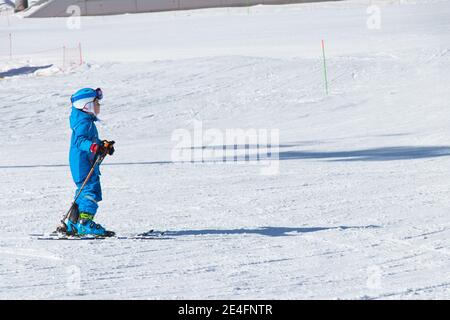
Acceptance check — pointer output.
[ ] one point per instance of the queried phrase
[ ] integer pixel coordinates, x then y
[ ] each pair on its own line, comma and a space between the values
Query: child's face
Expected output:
96, 106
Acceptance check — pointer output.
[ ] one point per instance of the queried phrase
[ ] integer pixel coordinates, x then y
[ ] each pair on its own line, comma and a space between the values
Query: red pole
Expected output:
64, 57
10, 46
81, 54
325, 67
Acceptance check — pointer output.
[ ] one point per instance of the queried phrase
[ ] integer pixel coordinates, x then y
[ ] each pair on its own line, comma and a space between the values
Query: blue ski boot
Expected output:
85, 226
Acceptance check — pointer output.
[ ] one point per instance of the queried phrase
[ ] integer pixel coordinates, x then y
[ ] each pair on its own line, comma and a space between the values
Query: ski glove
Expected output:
109, 146
106, 147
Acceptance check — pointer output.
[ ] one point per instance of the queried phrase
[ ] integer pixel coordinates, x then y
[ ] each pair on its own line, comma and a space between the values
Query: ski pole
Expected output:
98, 161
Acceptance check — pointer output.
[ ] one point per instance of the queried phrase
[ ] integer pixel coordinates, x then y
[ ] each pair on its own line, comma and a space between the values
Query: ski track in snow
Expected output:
359, 209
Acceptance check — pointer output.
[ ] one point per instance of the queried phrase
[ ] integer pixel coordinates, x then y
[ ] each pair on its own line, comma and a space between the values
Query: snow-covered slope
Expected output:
6, 7
358, 209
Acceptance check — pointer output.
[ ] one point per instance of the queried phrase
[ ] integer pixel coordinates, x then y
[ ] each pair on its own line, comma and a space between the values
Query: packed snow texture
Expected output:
358, 210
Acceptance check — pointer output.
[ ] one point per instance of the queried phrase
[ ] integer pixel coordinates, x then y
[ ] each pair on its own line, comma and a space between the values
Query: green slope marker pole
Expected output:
325, 67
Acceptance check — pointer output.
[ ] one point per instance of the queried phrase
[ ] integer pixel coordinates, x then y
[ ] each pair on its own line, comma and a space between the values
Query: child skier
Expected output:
85, 149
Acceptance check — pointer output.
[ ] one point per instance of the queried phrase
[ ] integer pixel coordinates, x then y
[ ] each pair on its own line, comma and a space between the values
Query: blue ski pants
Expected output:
90, 196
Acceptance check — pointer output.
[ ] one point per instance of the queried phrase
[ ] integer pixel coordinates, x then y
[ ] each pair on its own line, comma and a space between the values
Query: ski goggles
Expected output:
99, 94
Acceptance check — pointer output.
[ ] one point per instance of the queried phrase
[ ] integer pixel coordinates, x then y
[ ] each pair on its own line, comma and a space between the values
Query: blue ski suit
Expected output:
84, 134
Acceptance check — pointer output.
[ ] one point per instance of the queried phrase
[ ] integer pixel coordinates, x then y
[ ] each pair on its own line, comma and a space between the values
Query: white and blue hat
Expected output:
85, 97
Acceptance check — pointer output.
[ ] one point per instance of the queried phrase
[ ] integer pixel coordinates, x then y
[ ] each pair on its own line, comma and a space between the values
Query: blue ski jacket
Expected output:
84, 133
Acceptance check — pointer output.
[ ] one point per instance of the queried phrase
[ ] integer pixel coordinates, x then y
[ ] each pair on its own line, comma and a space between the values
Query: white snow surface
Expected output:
358, 210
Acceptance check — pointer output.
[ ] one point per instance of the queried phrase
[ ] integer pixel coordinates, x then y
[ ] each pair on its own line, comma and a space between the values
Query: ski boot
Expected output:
82, 224
63, 228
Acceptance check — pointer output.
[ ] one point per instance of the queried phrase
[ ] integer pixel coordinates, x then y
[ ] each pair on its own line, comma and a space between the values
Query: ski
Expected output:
149, 235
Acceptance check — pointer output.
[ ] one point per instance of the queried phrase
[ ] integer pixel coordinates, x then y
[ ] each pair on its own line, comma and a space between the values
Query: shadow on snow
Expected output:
377, 154
264, 231
22, 71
